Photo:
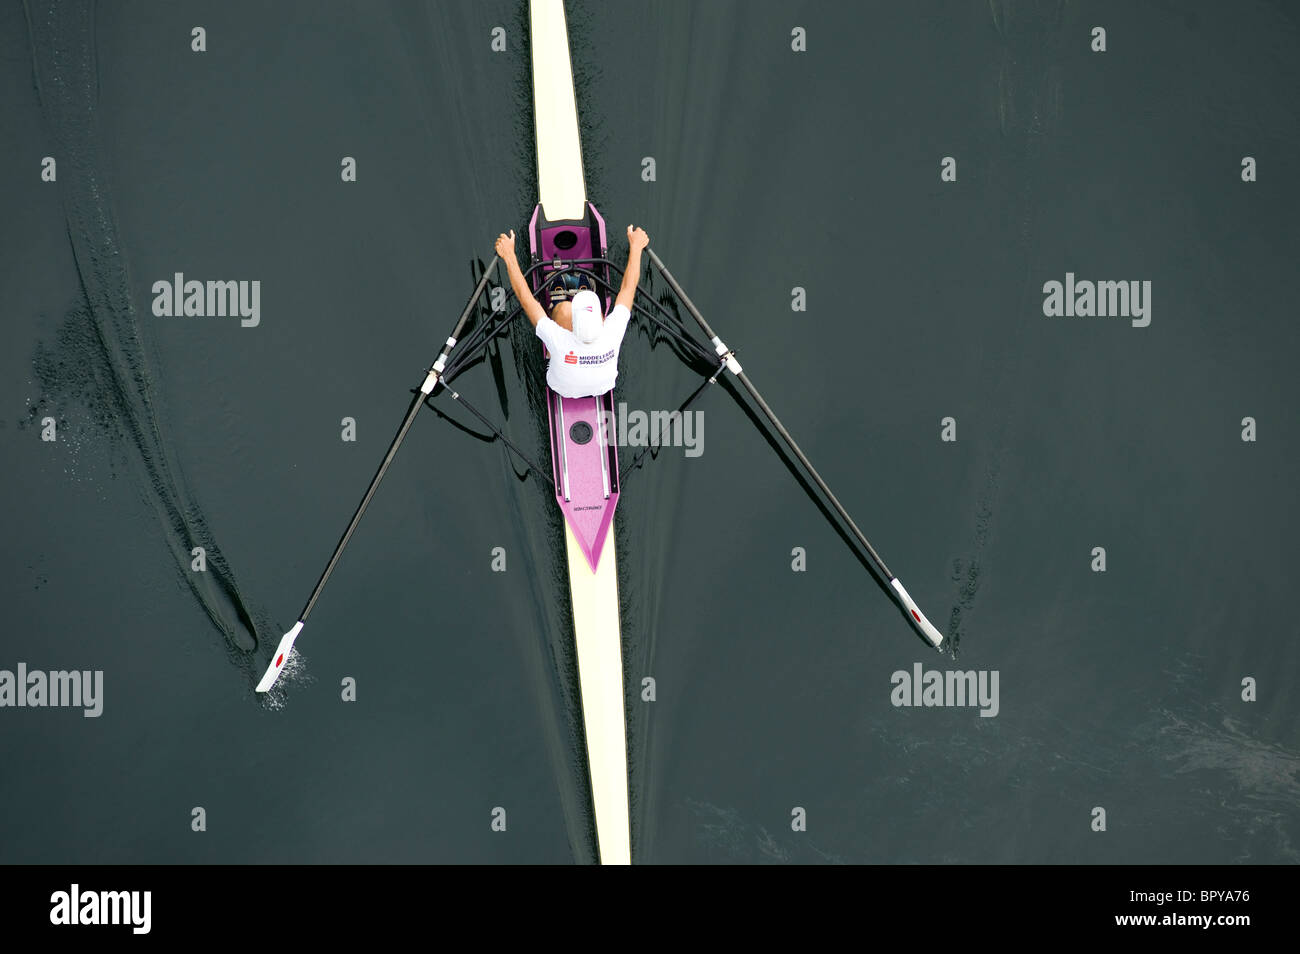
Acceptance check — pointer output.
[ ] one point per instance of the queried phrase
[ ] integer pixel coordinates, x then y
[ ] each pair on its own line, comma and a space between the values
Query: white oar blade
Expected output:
923, 625
279, 659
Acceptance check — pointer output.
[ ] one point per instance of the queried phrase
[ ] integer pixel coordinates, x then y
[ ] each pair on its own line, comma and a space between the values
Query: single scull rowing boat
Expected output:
567, 241
564, 233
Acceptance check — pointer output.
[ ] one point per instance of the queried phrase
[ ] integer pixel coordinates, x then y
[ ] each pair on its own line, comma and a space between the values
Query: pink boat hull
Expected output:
584, 462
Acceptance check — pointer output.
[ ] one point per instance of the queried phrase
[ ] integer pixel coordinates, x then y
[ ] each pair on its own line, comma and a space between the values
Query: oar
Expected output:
431, 380
913, 612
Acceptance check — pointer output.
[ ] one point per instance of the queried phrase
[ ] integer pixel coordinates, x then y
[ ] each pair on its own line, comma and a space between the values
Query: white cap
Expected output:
587, 318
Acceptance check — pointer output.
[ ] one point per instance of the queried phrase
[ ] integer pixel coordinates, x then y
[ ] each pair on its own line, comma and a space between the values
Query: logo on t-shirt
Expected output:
596, 358
570, 358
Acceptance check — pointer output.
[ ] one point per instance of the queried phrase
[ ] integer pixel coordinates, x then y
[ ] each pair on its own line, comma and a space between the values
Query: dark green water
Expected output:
774, 169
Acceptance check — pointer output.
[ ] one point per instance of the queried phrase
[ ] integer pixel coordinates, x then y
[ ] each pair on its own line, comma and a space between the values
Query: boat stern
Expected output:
585, 464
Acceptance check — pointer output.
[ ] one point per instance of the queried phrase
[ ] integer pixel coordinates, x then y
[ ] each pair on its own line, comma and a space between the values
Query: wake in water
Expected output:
728, 835
1029, 107
98, 357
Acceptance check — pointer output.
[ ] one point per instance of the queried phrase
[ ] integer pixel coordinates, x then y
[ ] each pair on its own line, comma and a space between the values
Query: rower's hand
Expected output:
506, 246
636, 238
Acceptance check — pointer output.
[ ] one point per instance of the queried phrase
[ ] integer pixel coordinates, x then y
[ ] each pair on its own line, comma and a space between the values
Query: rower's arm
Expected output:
636, 240
505, 248
532, 307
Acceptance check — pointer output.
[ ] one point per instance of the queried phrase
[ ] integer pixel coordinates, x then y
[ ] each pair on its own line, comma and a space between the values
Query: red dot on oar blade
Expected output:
914, 613
279, 661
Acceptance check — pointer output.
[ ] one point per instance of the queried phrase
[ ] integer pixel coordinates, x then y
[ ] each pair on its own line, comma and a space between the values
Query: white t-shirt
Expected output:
584, 370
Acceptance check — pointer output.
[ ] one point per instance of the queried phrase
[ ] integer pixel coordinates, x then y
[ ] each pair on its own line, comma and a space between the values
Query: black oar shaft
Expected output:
677, 290
365, 502
812, 471
430, 382
771, 416
435, 372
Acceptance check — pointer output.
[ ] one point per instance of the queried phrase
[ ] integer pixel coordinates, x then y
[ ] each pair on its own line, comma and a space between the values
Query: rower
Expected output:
583, 343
